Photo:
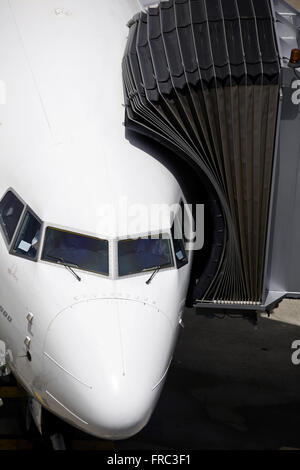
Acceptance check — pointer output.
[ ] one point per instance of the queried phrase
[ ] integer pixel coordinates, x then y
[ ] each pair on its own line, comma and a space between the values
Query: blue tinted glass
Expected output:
29, 237
180, 253
87, 253
143, 255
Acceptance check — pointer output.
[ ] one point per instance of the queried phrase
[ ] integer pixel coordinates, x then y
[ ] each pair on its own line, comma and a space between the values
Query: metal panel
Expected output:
283, 264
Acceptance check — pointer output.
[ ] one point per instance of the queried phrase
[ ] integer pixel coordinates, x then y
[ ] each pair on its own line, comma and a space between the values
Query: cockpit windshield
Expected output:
75, 250
144, 254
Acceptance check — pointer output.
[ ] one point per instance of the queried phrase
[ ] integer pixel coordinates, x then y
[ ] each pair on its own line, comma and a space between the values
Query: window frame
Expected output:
181, 222
7, 243
81, 234
168, 236
14, 240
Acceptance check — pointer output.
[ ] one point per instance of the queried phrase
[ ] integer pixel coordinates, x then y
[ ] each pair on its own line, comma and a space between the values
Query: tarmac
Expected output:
232, 385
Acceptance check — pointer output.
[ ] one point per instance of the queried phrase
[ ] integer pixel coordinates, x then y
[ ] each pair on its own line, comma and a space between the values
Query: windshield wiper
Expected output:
154, 274
67, 266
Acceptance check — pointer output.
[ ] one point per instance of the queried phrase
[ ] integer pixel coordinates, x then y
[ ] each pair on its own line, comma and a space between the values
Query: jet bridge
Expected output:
212, 81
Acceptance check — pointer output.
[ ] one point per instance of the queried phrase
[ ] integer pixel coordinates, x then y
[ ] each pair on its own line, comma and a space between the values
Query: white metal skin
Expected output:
101, 347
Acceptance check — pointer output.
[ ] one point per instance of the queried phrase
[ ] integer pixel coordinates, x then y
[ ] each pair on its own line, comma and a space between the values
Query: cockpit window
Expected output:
75, 250
143, 254
28, 239
178, 231
180, 253
11, 209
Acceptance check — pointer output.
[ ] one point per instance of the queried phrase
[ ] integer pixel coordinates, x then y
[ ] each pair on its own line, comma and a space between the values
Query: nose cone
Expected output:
105, 361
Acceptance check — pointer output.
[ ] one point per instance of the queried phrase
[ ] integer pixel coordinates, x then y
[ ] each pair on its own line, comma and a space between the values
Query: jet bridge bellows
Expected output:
203, 77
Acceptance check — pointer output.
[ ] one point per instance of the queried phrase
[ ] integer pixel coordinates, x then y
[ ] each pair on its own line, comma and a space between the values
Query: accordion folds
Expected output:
211, 80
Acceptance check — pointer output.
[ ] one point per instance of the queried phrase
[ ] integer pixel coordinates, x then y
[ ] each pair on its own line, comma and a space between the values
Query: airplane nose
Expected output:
105, 362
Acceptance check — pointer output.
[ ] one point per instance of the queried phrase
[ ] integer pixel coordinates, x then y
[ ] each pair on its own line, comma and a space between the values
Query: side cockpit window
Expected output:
21, 228
11, 209
27, 242
178, 235
180, 252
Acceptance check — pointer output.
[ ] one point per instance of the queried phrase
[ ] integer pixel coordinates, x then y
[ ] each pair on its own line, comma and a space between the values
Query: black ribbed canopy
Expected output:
202, 77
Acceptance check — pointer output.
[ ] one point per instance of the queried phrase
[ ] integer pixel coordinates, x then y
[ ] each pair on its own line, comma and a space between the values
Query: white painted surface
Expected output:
63, 150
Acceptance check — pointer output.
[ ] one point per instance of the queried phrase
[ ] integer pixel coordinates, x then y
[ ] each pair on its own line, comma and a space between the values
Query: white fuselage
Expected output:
100, 348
